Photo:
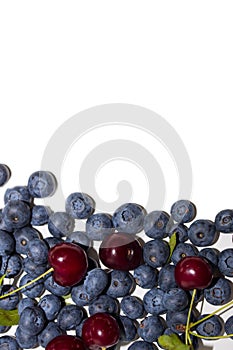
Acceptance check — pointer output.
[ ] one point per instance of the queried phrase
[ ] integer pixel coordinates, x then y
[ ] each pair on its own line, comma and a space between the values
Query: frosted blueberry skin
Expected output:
229, 326
40, 215
51, 331
11, 265
121, 283
151, 328
80, 205
211, 254
182, 250
18, 193
7, 243
35, 290
219, 292
37, 251
157, 224
70, 317
26, 302
166, 278
22, 238
16, 214
183, 211
153, 301
5, 174
212, 327
146, 276
79, 295
224, 221
51, 305
103, 303
225, 263
132, 307
128, 329
42, 184
142, 345
129, 218
95, 282
156, 252
61, 224
8, 343
26, 341
175, 299
32, 320
99, 226
80, 238
203, 233
181, 231
177, 321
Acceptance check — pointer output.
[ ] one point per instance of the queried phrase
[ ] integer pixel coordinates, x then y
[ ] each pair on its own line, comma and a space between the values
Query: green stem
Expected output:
27, 284
187, 338
210, 338
210, 315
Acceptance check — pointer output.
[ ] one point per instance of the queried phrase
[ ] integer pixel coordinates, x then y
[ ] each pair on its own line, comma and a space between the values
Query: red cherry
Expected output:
66, 342
193, 272
69, 262
120, 251
101, 330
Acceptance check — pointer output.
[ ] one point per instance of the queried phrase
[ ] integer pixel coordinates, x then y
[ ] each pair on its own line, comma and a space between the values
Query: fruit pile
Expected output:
59, 292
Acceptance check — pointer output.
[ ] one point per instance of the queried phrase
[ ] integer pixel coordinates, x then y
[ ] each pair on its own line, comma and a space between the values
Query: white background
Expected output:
58, 58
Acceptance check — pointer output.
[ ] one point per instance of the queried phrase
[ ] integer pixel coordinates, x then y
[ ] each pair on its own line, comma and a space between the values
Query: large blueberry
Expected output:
156, 252
16, 214
5, 174
99, 226
146, 276
42, 184
183, 211
79, 205
129, 218
121, 283
60, 224
203, 233
157, 224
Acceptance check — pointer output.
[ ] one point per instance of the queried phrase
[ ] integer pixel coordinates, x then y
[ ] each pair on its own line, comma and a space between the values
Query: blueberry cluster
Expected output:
45, 310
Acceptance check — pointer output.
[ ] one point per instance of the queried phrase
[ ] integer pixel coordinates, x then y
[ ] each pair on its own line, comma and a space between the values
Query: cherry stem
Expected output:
187, 338
213, 313
27, 284
210, 338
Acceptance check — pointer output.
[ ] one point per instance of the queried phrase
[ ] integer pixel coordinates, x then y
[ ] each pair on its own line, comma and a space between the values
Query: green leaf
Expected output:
172, 244
172, 342
9, 317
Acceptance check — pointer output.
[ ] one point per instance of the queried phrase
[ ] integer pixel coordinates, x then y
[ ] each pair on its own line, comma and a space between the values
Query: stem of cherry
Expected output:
187, 338
27, 284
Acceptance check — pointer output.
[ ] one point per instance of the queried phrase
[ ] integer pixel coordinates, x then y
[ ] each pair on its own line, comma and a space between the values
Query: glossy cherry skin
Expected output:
120, 251
100, 329
66, 342
193, 272
69, 262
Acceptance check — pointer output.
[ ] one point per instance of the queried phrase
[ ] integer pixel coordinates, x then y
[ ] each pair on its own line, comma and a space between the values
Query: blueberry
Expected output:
23, 236
35, 290
11, 265
16, 214
95, 282
166, 279
55, 288
121, 283
51, 331
153, 301
142, 345
229, 326
69, 317
203, 233
18, 193
52, 241
79, 295
98, 226
128, 327
219, 293
51, 305
183, 211
40, 215
156, 252
80, 238
157, 224
32, 268
8, 342
7, 243
211, 254
103, 303
212, 327
42, 184
4, 329
26, 302
32, 320
151, 328
225, 263
224, 221
79, 328
177, 321
181, 232
129, 218
146, 276
10, 302
26, 341
182, 250
5, 174
60, 224
79, 205
37, 251
175, 299
132, 307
